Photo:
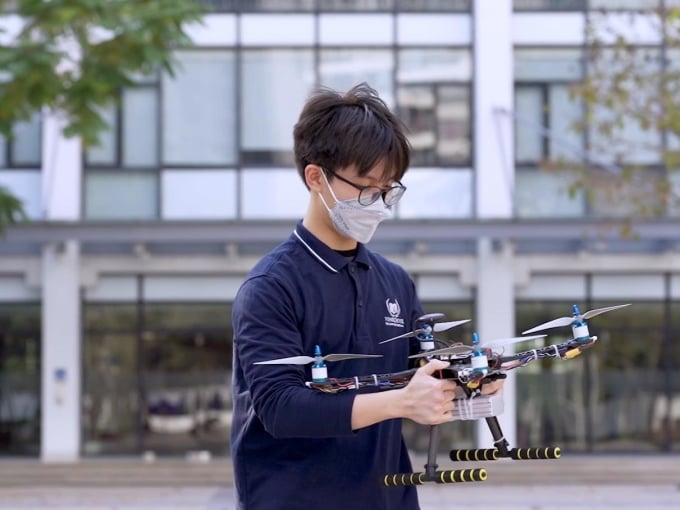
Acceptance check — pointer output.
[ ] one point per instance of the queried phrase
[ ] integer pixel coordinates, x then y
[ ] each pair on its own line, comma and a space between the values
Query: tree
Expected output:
11, 208
73, 57
631, 99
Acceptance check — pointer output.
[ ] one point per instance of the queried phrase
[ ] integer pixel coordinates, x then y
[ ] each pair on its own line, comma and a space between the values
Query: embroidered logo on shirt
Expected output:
394, 310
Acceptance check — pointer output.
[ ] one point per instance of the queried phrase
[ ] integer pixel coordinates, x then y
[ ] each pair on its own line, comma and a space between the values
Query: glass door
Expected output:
157, 378
186, 381
19, 379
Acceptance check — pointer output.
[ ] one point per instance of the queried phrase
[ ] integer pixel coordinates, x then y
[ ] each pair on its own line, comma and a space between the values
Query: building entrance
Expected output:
156, 378
19, 379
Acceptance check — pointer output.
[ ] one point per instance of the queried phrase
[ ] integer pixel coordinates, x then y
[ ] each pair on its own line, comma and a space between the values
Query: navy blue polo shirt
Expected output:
293, 447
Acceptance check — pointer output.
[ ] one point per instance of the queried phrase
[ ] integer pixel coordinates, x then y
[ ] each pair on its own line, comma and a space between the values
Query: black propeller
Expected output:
436, 328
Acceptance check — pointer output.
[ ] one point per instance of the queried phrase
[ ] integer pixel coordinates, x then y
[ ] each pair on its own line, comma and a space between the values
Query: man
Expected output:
294, 447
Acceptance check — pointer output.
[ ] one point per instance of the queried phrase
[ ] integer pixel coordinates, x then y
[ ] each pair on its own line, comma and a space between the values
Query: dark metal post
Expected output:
588, 377
667, 363
431, 466
139, 364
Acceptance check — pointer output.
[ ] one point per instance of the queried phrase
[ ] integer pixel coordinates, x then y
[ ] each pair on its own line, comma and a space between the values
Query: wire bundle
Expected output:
380, 381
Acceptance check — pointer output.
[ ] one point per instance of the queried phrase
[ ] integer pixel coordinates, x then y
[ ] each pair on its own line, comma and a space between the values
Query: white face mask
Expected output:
353, 220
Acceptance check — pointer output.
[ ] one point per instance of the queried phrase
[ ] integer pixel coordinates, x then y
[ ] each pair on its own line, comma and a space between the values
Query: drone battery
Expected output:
474, 408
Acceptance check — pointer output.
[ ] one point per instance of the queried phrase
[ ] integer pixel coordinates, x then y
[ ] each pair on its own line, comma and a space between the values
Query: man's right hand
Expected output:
426, 399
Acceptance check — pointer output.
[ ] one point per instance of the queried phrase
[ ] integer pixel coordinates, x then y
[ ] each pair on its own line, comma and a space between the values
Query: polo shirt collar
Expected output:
325, 255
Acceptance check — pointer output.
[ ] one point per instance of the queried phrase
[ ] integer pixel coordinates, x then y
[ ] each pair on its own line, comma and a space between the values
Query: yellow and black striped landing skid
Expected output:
549, 452
447, 476
479, 454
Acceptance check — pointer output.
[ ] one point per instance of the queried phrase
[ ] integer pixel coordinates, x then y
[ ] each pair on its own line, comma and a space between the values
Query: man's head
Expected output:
356, 129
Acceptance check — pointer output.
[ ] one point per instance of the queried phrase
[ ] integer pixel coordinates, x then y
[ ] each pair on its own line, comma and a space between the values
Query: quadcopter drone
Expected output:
470, 366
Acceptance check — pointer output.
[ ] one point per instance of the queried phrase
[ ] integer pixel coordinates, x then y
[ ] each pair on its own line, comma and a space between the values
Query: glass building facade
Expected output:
115, 329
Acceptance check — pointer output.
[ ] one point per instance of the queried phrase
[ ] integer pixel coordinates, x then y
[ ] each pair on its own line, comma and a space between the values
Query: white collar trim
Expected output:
318, 257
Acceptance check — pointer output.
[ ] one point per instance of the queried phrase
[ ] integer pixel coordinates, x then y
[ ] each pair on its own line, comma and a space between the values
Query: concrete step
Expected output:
116, 472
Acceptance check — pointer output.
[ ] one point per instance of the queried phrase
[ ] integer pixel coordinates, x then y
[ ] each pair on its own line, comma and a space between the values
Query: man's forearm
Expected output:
372, 408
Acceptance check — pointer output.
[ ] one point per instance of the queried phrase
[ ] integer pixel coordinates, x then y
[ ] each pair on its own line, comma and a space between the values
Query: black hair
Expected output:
357, 128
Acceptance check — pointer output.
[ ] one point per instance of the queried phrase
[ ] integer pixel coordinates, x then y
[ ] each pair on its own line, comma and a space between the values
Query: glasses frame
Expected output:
401, 189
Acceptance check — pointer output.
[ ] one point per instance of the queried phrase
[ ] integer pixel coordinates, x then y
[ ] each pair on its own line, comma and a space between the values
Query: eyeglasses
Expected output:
370, 194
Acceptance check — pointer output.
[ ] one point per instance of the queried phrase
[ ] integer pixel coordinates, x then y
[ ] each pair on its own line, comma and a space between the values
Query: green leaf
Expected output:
11, 209
78, 55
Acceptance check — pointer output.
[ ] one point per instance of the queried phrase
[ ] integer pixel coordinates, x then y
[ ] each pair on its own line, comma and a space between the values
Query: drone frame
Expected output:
471, 382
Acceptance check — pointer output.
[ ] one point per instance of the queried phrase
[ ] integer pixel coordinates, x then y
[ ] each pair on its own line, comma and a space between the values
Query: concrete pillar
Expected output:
61, 303
496, 319
60, 414
494, 173
493, 90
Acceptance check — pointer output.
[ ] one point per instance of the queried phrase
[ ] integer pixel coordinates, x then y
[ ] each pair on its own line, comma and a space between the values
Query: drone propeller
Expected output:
460, 349
454, 350
443, 326
502, 342
405, 335
303, 360
437, 327
566, 321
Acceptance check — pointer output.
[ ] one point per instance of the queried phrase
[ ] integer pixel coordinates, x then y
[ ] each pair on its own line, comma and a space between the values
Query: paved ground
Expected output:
574, 482
468, 497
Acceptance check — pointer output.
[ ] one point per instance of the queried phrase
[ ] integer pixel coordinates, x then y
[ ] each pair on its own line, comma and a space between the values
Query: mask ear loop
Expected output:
323, 173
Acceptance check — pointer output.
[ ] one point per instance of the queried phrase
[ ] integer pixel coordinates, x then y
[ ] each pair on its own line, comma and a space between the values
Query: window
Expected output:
437, 193
204, 88
619, 137
121, 172
274, 86
262, 196
545, 118
157, 375
336, 5
433, 98
121, 195
622, 5
355, 5
133, 123
545, 115
570, 413
215, 140
341, 69
21, 164
23, 149
198, 194
164, 127
271, 5
549, 5
20, 338
434, 5
624, 132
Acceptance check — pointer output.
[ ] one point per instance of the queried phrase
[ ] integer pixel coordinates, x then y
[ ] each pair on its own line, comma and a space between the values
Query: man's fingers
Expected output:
492, 388
433, 366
